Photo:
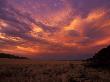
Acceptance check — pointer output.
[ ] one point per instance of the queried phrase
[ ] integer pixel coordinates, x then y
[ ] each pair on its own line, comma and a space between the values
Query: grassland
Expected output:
50, 71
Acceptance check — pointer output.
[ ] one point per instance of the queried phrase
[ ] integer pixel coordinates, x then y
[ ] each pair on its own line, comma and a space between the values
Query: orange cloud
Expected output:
27, 49
94, 22
3, 24
57, 31
96, 15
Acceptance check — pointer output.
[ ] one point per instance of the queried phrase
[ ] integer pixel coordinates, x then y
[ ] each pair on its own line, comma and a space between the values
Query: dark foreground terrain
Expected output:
16, 70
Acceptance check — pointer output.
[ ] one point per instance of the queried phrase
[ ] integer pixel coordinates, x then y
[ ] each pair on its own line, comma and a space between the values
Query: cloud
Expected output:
57, 27
93, 27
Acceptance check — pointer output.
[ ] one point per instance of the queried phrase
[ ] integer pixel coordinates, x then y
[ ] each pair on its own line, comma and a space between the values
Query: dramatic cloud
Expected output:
54, 28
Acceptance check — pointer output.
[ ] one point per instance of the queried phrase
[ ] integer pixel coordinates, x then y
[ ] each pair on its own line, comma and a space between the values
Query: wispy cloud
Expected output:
57, 27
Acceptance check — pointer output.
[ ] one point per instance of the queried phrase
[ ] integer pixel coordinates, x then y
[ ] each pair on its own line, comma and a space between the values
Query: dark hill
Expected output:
4, 55
102, 58
103, 55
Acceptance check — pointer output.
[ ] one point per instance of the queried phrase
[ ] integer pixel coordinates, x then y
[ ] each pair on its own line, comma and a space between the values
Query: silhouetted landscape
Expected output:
14, 70
10, 56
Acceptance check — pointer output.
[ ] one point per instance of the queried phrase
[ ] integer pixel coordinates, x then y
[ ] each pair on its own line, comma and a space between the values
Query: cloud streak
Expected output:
58, 28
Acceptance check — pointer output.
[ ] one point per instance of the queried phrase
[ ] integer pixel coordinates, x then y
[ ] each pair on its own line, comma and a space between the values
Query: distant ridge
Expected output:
10, 56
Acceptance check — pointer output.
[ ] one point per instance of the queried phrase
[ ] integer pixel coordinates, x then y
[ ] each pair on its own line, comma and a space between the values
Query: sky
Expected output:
54, 29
